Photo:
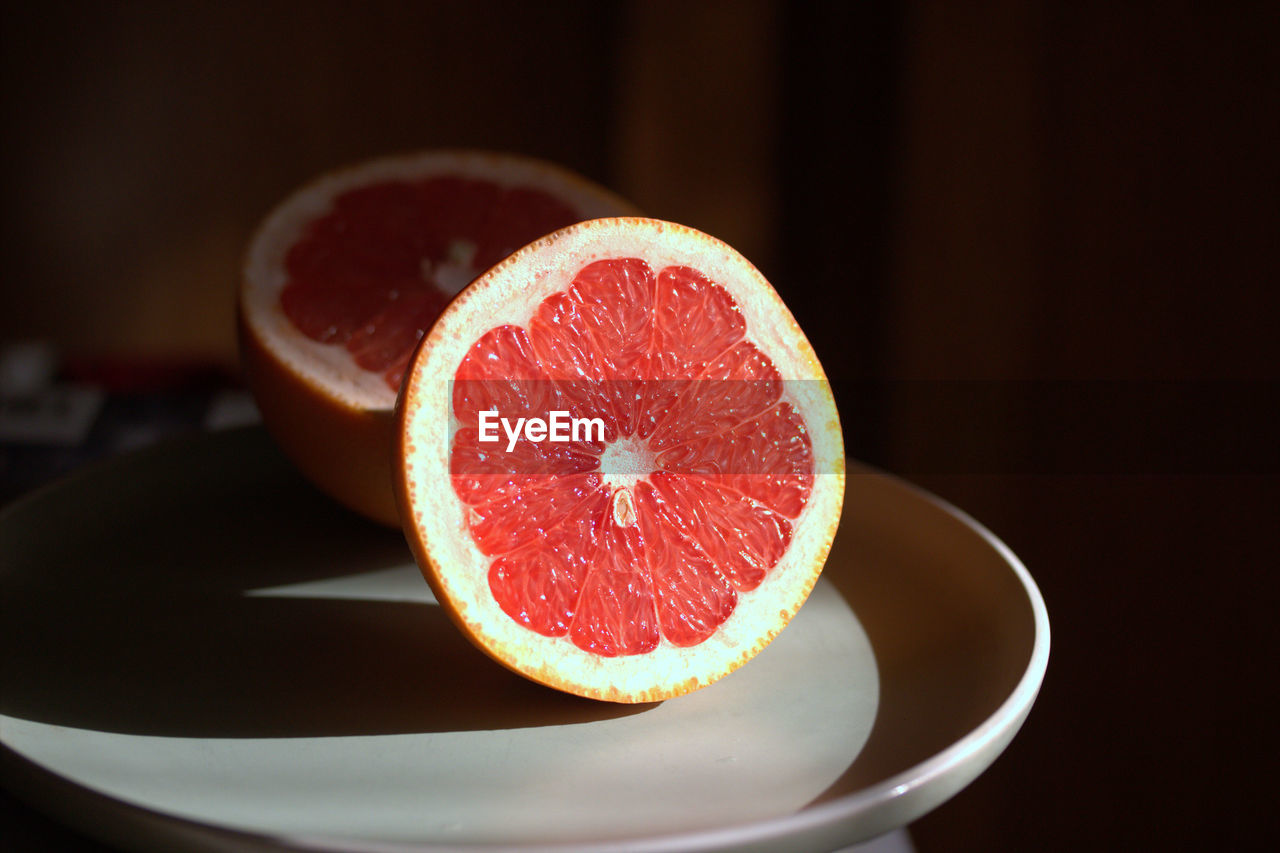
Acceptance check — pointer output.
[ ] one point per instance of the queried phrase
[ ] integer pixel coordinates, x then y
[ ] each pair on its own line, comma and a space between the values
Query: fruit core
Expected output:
655, 533
627, 461
374, 272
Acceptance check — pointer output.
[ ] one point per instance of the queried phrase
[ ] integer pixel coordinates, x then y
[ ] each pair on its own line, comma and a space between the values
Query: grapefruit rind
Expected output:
345, 451
332, 418
435, 520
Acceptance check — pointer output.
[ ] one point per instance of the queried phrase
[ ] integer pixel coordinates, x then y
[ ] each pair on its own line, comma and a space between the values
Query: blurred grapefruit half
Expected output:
668, 541
343, 278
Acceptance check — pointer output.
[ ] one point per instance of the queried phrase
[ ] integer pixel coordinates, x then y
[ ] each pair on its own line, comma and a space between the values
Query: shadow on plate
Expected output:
126, 612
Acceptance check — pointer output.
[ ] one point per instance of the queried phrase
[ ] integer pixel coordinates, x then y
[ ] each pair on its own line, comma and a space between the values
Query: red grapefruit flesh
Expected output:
666, 548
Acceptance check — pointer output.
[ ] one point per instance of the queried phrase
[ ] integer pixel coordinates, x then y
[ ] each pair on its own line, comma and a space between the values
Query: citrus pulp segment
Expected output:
668, 540
344, 277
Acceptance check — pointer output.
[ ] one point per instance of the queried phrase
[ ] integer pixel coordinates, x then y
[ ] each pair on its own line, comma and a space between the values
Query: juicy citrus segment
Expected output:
595, 335
522, 515
345, 276
501, 374
695, 320
663, 553
615, 612
539, 585
765, 458
694, 596
746, 539
740, 384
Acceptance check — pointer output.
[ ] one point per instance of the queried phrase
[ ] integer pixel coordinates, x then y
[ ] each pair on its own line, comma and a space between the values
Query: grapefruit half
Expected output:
620, 465
344, 277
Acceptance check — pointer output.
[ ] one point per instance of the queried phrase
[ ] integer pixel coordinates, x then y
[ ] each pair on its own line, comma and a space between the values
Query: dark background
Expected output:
1033, 244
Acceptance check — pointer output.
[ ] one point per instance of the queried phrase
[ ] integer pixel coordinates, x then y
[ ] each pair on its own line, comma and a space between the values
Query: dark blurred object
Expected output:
29, 831
59, 414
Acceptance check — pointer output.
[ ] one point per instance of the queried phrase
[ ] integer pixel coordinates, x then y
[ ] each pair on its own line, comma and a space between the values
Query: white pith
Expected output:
437, 520
331, 367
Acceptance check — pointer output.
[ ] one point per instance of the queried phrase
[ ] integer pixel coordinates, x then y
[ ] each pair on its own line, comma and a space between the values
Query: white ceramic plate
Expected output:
200, 652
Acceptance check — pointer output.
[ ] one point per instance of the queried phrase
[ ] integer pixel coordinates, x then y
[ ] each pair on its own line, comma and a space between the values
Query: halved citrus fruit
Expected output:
620, 463
344, 277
